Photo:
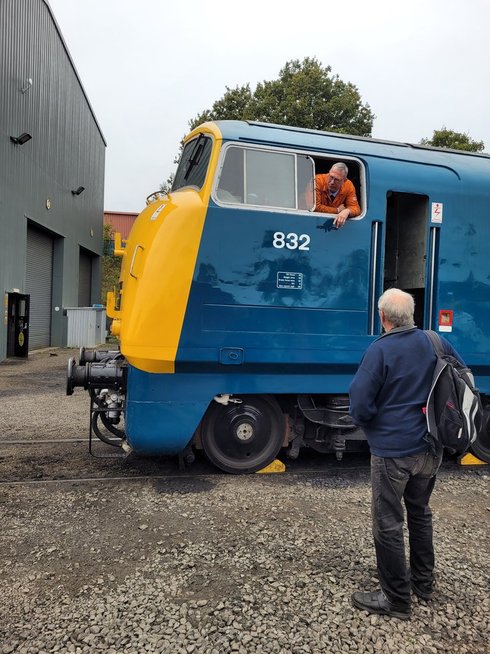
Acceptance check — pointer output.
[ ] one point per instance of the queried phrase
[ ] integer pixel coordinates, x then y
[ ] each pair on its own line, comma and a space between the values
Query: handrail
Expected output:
133, 260
374, 275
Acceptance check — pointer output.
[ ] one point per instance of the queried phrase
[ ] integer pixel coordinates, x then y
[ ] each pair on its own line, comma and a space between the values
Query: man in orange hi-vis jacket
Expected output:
336, 194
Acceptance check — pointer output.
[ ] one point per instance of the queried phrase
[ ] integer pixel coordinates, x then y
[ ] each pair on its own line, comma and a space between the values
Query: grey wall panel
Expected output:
67, 150
39, 280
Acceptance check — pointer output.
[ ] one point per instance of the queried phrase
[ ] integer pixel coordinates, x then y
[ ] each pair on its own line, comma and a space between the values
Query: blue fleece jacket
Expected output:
390, 389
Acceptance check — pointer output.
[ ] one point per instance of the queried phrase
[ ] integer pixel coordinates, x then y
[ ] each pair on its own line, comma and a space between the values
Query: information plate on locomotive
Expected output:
290, 280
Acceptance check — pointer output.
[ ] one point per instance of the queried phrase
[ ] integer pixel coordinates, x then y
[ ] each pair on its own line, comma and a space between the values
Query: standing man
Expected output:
387, 398
336, 194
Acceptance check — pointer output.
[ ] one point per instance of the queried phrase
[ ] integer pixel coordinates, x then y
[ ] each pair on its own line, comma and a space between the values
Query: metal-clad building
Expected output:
52, 155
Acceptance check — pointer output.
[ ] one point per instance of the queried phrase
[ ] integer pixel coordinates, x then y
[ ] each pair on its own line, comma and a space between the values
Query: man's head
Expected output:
396, 309
337, 176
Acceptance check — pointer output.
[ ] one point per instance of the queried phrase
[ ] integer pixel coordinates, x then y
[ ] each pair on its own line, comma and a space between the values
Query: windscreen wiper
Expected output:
195, 155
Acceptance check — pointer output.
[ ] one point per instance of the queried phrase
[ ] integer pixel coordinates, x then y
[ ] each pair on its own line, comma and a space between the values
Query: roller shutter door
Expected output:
84, 279
39, 280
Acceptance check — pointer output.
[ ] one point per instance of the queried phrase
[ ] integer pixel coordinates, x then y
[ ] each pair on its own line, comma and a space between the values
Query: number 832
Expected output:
291, 241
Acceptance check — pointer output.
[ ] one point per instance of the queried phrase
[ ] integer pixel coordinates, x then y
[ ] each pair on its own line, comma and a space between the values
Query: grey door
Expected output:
39, 283
84, 279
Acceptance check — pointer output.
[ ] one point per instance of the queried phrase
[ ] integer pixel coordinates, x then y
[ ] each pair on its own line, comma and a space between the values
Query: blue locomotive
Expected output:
242, 313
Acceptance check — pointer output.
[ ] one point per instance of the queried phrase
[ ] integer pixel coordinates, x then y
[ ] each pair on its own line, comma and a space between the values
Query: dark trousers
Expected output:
411, 478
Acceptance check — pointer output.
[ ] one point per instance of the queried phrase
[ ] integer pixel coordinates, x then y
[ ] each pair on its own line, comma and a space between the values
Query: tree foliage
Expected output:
447, 138
111, 265
167, 184
305, 94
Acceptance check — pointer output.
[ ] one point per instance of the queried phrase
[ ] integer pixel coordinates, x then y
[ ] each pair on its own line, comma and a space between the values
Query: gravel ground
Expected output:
197, 561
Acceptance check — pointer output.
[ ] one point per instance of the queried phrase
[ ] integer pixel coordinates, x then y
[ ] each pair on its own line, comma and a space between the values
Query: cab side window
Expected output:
356, 175
230, 186
269, 179
266, 178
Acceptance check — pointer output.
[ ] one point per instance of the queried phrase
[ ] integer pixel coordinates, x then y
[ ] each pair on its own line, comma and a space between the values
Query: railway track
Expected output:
54, 465
63, 460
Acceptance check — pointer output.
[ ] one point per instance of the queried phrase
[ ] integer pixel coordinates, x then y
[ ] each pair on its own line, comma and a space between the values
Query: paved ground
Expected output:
196, 561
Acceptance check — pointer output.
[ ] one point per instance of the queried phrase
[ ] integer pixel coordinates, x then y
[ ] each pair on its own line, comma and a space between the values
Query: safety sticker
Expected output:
446, 320
157, 211
436, 214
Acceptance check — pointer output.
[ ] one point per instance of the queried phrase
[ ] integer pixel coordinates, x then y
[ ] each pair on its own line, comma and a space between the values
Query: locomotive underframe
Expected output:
238, 433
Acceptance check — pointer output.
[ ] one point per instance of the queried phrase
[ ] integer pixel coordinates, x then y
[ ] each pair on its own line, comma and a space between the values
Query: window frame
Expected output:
311, 154
195, 139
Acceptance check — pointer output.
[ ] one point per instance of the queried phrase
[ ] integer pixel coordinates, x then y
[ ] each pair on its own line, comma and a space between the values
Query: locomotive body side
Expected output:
243, 314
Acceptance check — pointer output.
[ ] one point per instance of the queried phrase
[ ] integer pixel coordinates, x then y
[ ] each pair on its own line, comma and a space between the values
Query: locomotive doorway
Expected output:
18, 325
405, 255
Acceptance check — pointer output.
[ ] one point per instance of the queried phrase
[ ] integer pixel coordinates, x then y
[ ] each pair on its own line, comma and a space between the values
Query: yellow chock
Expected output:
275, 466
471, 460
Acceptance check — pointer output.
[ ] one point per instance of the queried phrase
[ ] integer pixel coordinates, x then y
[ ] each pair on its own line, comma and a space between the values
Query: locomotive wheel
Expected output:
246, 437
481, 447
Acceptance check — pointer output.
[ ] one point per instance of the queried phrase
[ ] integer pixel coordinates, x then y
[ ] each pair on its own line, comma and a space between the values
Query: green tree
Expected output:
111, 265
306, 94
447, 138
167, 184
236, 104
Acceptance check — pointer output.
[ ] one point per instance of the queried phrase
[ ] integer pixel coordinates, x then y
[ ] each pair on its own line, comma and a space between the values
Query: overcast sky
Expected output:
149, 66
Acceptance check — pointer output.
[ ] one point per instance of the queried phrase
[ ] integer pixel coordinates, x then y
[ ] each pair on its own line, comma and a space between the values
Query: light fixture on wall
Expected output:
27, 85
79, 190
20, 140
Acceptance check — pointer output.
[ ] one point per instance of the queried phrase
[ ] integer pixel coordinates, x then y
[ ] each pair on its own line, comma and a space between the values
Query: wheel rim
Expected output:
243, 437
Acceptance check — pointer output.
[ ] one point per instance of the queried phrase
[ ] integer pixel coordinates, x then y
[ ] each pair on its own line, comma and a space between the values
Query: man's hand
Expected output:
342, 216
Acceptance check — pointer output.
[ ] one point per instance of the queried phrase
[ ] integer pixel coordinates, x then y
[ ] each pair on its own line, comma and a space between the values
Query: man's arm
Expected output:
364, 389
449, 349
350, 201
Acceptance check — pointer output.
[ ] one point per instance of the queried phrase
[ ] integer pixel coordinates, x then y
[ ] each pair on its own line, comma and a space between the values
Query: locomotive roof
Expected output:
309, 139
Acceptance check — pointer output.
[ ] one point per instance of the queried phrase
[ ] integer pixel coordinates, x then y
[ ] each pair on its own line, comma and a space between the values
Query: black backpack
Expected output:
454, 410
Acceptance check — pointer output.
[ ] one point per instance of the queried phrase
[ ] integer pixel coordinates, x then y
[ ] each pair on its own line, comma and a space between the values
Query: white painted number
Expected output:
278, 241
305, 245
292, 241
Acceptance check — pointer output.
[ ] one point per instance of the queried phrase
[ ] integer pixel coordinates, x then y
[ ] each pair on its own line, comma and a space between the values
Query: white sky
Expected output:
149, 66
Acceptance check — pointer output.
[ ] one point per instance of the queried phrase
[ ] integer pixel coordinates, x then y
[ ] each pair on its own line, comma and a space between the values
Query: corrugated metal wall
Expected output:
120, 222
39, 284
86, 326
54, 106
67, 150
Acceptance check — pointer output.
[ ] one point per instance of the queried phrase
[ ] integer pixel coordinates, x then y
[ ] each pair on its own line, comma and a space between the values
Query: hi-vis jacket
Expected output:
346, 196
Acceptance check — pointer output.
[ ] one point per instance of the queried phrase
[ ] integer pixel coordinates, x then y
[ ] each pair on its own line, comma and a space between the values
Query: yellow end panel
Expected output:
157, 272
111, 305
156, 286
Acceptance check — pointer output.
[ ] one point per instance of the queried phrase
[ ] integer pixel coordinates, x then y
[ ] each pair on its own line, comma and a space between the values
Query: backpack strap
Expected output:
435, 339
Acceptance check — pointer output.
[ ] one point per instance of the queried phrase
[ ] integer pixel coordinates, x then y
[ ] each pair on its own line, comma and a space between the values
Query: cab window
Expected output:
266, 178
356, 175
193, 163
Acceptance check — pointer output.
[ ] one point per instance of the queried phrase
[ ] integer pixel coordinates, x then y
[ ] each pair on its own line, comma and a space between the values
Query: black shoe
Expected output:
425, 594
377, 602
